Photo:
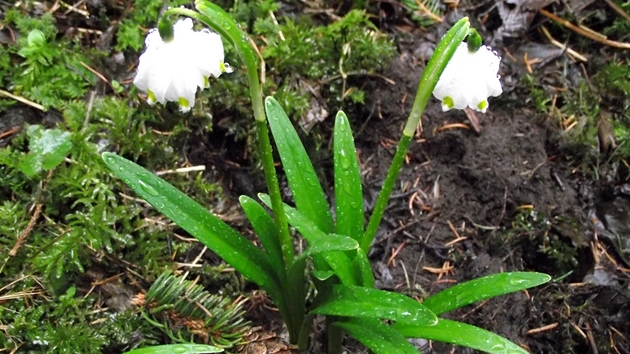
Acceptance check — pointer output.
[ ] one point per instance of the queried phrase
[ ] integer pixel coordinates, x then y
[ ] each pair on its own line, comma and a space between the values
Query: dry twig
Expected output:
585, 31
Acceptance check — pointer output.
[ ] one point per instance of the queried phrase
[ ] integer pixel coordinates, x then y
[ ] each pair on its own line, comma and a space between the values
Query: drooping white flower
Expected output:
469, 79
171, 70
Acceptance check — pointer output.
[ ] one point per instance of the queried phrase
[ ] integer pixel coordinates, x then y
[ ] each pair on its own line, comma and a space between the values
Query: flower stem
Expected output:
386, 191
430, 77
224, 24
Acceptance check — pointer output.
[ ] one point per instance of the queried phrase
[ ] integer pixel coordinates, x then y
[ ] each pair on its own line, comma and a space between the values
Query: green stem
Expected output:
443, 53
386, 191
305, 332
334, 337
224, 24
220, 21
271, 178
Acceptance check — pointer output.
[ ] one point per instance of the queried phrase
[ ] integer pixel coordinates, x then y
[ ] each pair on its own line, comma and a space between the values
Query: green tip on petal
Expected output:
482, 105
151, 100
474, 41
448, 102
184, 104
165, 28
206, 81
225, 68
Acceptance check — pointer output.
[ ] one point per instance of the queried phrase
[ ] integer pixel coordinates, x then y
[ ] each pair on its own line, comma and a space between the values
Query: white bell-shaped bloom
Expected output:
172, 70
469, 79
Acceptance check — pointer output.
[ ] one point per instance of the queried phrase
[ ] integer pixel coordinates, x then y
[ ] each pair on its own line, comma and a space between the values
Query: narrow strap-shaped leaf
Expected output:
377, 336
189, 348
307, 191
461, 334
339, 261
483, 288
365, 268
358, 301
330, 243
348, 191
296, 295
235, 249
266, 229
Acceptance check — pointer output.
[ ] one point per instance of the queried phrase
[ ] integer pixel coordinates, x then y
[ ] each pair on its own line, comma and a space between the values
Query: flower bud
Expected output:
166, 30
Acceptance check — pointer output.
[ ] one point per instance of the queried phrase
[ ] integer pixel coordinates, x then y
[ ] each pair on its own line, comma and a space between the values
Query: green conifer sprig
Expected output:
425, 12
186, 312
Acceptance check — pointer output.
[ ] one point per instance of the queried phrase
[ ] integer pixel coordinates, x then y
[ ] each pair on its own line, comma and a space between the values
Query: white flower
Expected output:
172, 70
469, 79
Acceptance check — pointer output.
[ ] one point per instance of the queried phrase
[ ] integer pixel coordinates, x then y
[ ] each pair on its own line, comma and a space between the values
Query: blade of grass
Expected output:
339, 261
228, 244
266, 230
461, 334
188, 348
483, 288
329, 244
308, 193
348, 191
377, 336
358, 301
365, 268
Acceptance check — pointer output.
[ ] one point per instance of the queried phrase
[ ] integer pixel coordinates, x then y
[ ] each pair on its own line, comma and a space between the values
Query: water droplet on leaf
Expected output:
148, 189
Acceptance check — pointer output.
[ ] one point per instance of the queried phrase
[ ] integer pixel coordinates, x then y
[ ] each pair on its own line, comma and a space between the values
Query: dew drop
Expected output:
178, 349
345, 162
148, 189
311, 181
342, 125
110, 159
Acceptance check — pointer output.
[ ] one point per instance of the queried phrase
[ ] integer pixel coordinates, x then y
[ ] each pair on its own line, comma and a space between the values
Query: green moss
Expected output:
67, 323
88, 217
303, 57
42, 69
549, 239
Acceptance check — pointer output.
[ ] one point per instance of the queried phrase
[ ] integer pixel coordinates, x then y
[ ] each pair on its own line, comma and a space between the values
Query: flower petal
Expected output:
172, 70
469, 79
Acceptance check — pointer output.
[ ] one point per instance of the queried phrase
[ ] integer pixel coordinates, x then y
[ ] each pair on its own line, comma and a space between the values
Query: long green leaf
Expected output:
266, 229
358, 301
307, 191
364, 266
483, 288
377, 336
461, 334
348, 191
177, 349
339, 261
235, 249
330, 243
296, 295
